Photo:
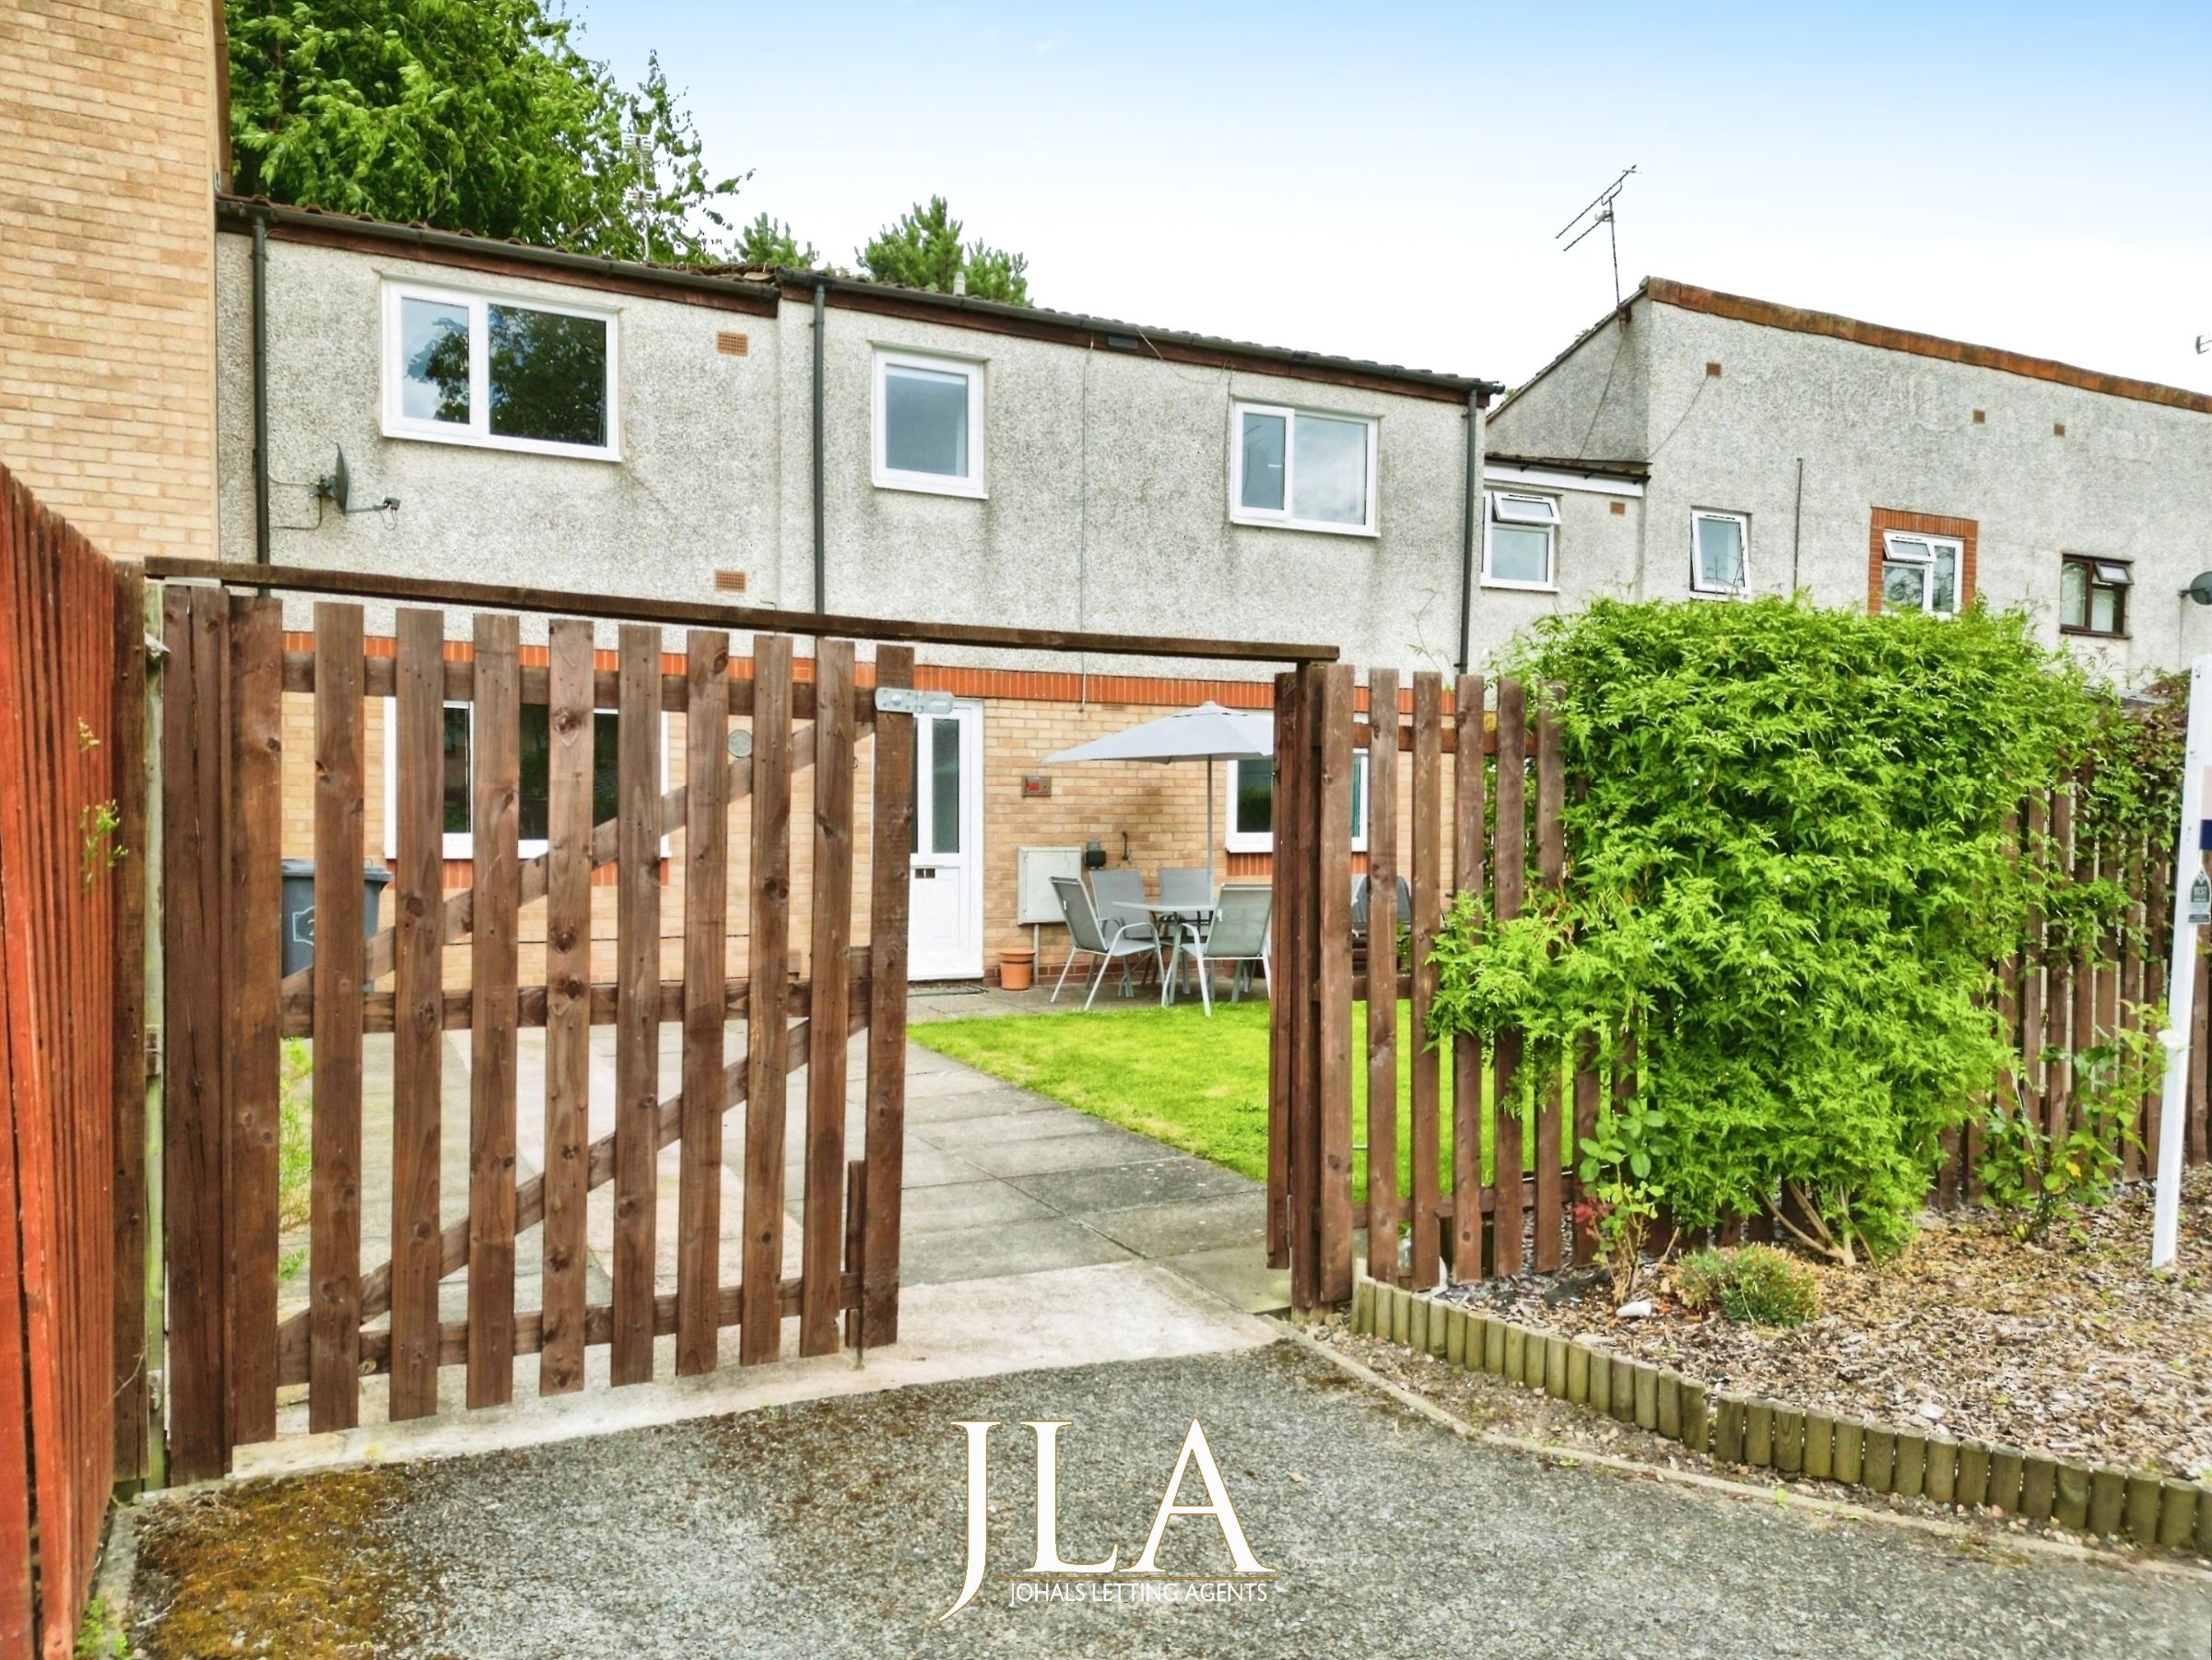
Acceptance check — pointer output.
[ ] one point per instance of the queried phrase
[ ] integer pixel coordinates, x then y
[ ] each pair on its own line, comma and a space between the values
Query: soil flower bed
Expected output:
2075, 1350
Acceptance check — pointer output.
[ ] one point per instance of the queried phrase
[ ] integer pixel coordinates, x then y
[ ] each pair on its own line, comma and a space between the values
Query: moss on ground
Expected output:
301, 1569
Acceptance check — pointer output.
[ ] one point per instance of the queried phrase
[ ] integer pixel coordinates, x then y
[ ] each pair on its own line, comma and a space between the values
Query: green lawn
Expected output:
1171, 1074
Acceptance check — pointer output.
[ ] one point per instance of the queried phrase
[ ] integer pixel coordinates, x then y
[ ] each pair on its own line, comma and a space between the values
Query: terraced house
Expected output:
813, 442
1782, 450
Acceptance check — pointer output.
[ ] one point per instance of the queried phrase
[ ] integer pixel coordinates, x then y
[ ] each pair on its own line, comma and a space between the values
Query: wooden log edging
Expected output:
2163, 1512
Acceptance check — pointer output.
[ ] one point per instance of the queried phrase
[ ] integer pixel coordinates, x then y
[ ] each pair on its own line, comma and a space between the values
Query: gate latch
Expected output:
898, 699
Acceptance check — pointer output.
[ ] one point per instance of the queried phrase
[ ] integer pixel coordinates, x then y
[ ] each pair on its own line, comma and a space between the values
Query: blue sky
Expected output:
1385, 181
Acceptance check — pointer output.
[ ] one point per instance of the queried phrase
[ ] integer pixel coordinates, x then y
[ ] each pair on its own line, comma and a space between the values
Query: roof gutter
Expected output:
830, 283
230, 210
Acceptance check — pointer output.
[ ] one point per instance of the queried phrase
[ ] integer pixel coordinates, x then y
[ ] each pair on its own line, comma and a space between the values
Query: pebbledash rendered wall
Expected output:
1107, 474
1722, 409
1106, 471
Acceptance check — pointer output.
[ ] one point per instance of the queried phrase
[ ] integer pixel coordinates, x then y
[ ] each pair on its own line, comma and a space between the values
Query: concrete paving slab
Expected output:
972, 1254
1156, 1182
1165, 1230
961, 1205
979, 1103
1004, 1128
1073, 1316
1101, 1150
1238, 1275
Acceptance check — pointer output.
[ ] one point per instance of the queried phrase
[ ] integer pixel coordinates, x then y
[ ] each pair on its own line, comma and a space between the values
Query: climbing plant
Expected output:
1793, 868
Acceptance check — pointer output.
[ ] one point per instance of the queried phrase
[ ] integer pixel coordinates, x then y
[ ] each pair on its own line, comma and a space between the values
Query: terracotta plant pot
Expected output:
1015, 968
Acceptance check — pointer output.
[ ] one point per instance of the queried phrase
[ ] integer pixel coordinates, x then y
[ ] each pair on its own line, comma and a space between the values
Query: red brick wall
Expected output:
1927, 524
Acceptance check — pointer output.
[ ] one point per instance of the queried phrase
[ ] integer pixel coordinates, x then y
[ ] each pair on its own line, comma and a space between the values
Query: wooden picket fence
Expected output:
231, 1352
1487, 791
71, 888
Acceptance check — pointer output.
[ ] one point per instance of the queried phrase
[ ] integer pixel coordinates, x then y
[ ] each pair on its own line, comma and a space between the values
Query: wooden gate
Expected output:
508, 786
452, 720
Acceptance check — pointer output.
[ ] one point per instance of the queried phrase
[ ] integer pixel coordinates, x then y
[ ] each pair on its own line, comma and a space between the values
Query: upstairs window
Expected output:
1720, 548
1301, 470
1921, 572
1520, 540
929, 424
2092, 595
463, 368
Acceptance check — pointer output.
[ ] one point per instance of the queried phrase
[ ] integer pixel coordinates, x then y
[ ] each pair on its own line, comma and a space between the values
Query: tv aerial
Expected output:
1599, 212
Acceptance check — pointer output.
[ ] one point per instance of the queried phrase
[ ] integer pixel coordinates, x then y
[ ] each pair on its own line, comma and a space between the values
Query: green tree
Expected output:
922, 248
767, 241
478, 115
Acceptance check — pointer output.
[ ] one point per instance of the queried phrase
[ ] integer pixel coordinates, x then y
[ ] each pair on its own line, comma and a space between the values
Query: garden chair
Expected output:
1107, 942
1187, 885
1192, 886
1120, 898
1360, 890
1236, 933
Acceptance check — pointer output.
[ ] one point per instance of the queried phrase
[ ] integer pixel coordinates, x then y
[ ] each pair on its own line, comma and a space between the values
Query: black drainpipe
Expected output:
261, 389
1478, 402
821, 603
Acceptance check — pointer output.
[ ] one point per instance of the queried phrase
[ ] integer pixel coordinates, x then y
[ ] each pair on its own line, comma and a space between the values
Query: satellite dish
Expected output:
338, 485
2200, 590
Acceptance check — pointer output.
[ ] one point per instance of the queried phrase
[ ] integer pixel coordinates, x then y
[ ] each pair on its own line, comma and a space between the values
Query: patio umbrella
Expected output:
1208, 733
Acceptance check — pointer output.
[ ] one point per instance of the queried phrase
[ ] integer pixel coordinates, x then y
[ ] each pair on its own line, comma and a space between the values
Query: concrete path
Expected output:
838, 1528
1002, 1189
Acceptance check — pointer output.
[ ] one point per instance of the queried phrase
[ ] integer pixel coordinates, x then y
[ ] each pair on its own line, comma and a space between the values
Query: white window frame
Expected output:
462, 844
1492, 501
1262, 842
888, 477
1284, 519
1698, 584
1890, 556
479, 434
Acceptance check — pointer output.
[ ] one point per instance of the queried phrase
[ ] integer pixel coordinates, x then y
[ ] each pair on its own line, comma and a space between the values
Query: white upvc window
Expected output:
1921, 572
928, 424
467, 368
1719, 552
1302, 469
457, 786
1520, 541
1251, 806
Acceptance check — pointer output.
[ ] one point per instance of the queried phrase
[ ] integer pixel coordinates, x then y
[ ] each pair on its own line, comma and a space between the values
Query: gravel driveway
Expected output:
837, 1528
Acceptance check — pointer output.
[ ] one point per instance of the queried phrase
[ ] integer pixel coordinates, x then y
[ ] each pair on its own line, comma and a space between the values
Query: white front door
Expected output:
945, 938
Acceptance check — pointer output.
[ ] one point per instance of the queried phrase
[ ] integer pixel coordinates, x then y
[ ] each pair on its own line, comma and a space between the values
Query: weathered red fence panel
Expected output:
61, 865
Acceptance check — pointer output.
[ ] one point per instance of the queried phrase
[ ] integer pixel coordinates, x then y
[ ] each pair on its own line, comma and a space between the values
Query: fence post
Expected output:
1282, 1001
128, 749
891, 827
196, 743
152, 1262
1333, 1015
1382, 922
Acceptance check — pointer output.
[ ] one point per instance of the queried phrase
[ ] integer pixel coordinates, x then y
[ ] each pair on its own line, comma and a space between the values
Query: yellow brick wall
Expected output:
108, 156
